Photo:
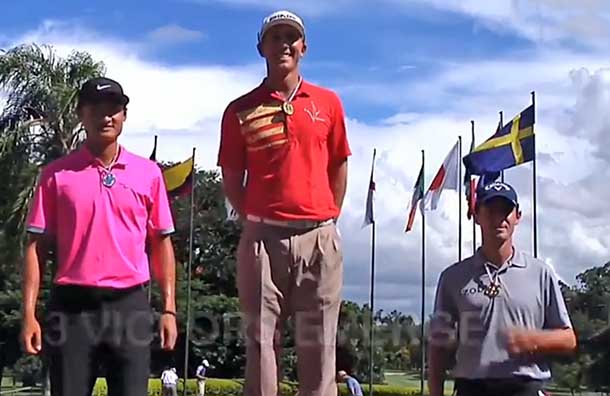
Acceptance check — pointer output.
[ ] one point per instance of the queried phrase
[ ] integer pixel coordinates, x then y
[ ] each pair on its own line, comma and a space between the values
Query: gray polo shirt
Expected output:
529, 297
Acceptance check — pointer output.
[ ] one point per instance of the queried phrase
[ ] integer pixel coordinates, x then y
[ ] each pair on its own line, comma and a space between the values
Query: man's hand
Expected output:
522, 341
31, 336
168, 331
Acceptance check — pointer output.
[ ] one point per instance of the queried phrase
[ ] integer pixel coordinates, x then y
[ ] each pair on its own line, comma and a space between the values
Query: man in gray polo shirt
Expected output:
501, 311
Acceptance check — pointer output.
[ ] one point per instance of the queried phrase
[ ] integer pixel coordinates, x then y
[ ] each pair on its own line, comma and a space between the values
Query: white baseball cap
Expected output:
205, 362
282, 17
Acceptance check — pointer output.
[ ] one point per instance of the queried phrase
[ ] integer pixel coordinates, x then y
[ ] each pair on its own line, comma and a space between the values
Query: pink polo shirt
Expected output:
100, 232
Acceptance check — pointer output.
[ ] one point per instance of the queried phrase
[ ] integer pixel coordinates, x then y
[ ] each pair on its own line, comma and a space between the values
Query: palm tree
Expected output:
38, 123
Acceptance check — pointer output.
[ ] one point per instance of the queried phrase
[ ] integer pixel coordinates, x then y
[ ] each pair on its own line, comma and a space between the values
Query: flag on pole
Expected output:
153, 155
512, 145
471, 195
472, 181
178, 178
446, 179
418, 194
369, 217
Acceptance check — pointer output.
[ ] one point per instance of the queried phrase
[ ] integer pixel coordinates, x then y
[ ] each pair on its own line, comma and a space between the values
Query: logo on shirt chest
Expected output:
471, 290
313, 113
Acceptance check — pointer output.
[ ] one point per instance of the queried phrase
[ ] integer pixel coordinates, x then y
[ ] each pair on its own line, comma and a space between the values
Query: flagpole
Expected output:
372, 297
423, 283
474, 223
154, 154
534, 192
460, 199
501, 125
189, 276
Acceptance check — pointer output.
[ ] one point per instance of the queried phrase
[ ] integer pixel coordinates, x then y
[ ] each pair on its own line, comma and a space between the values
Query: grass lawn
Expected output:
411, 380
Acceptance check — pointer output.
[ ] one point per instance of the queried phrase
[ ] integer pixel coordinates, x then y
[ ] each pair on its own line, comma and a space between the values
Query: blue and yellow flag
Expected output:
510, 146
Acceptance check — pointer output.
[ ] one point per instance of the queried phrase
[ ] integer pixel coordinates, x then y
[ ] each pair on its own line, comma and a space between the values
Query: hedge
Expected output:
227, 387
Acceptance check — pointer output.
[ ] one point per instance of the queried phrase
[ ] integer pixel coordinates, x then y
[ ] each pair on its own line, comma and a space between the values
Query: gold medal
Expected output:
492, 290
288, 108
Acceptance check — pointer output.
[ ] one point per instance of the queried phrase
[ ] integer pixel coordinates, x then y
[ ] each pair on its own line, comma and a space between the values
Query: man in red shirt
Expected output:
287, 138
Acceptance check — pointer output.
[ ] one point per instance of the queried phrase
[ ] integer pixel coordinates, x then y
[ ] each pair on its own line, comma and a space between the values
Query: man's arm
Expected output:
337, 176
164, 269
556, 336
556, 341
442, 341
35, 256
233, 186
439, 358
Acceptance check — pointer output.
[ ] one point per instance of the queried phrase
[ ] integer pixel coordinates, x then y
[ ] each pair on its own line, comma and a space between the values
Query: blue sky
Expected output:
348, 47
411, 74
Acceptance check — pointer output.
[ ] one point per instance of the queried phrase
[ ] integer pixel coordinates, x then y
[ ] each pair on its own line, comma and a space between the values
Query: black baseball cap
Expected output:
497, 190
101, 89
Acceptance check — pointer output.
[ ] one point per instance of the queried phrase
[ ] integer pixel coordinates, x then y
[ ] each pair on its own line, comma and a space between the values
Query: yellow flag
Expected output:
178, 175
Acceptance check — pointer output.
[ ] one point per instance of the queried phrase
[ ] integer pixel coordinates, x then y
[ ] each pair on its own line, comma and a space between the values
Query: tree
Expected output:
588, 305
38, 123
572, 375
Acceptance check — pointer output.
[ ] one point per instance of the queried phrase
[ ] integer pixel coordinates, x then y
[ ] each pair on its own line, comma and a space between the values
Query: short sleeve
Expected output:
160, 219
556, 314
232, 151
338, 146
445, 314
352, 388
42, 217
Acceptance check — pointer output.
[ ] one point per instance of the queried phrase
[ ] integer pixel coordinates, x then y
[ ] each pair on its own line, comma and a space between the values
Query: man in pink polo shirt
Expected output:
96, 208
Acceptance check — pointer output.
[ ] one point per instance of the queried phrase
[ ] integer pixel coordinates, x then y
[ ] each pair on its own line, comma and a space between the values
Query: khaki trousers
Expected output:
284, 272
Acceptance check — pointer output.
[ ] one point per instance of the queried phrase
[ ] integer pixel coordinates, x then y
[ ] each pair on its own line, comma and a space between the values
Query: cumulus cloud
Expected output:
541, 21
174, 34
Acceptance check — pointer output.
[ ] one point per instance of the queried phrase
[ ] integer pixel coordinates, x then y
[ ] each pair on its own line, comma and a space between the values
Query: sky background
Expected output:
411, 75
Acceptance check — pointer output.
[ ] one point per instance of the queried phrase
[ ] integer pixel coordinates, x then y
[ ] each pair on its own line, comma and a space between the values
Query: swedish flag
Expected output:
512, 145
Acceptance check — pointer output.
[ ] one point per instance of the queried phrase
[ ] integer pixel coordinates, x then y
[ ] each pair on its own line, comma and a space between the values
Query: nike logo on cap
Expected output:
102, 87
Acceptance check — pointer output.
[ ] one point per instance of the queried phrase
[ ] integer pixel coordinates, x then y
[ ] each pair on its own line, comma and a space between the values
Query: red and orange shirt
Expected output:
286, 156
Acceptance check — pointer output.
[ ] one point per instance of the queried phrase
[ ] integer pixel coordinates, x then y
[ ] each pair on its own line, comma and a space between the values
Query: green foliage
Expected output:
383, 390
38, 123
229, 387
28, 370
571, 376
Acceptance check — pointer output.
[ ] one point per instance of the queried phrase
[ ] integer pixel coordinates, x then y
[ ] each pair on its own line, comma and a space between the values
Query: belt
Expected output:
300, 224
497, 386
78, 292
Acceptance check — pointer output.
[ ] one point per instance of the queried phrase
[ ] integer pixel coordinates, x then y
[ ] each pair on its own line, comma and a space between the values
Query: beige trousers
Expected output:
281, 273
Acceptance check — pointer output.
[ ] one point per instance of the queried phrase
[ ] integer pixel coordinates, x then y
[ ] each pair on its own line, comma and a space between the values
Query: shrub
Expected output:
228, 387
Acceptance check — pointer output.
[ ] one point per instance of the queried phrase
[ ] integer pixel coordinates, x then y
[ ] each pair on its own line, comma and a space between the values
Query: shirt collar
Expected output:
91, 159
516, 260
303, 90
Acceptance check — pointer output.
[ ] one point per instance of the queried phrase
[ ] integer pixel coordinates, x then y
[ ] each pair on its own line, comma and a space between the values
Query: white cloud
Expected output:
541, 21
303, 8
174, 34
183, 105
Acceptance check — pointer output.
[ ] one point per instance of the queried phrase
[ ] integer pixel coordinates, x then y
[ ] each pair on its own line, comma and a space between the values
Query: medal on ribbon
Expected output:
492, 290
108, 180
288, 108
